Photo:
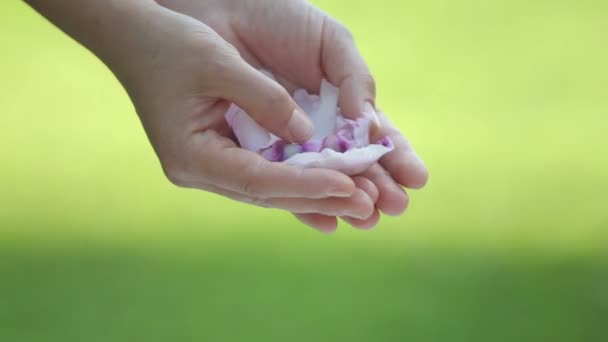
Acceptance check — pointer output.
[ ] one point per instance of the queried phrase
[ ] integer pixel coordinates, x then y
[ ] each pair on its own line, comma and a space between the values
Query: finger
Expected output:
245, 172
328, 224
322, 223
266, 101
368, 187
345, 67
403, 163
366, 224
392, 200
357, 206
373, 193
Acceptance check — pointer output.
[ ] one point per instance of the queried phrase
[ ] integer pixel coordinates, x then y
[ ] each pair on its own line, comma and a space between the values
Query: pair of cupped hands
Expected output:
193, 58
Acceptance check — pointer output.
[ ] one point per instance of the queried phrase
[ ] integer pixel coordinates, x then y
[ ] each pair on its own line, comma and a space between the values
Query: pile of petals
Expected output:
337, 143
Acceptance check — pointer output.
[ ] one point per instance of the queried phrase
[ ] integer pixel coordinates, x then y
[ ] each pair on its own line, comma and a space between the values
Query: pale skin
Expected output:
183, 61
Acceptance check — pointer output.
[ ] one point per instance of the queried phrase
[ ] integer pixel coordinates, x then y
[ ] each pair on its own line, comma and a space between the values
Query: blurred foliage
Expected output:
506, 101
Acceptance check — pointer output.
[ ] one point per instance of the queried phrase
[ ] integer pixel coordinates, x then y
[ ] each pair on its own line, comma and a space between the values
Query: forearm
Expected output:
106, 27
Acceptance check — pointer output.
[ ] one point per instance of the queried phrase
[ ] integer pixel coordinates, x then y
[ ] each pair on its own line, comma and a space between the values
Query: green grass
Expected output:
308, 291
505, 100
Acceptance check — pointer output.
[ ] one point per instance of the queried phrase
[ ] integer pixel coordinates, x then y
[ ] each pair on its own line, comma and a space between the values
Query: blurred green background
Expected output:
507, 101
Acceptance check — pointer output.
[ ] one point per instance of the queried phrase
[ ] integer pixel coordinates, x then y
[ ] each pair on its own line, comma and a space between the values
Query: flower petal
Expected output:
338, 143
250, 135
350, 162
356, 131
322, 109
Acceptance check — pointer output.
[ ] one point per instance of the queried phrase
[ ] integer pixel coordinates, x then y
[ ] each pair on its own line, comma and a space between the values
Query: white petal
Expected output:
250, 135
324, 118
351, 162
309, 103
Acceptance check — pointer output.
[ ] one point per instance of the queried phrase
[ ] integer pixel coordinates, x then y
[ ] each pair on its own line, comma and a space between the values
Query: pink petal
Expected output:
250, 135
351, 162
357, 131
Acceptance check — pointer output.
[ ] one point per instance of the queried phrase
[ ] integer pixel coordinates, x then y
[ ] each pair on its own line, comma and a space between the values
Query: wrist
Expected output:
120, 29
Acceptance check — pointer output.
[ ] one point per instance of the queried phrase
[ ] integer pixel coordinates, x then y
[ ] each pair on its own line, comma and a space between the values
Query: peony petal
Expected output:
275, 153
351, 162
312, 146
324, 118
356, 131
250, 135
386, 141
308, 103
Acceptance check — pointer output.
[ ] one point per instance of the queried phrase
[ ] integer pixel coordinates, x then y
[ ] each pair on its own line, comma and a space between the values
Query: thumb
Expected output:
267, 102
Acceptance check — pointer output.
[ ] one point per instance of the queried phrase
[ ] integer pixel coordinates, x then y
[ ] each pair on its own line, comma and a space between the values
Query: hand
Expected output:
301, 45
181, 77
181, 82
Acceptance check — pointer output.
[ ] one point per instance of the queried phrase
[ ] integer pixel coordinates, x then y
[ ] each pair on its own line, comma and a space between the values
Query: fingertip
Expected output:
412, 173
329, 231
368, 187
356, 99
300, 128
370, 112
269, 104
367, 224
403, 163
324, 224
393, 202
362, 207
421, 181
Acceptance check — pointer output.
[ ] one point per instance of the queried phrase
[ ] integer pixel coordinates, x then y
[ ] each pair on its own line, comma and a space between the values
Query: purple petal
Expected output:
387, 142
275, 152
312, 146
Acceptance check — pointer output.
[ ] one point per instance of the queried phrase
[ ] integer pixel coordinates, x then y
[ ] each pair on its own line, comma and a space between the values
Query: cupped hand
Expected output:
181, 76
301, 45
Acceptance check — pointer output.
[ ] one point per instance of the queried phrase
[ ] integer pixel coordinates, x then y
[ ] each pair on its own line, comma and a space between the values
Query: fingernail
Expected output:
299, 126
370, 112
